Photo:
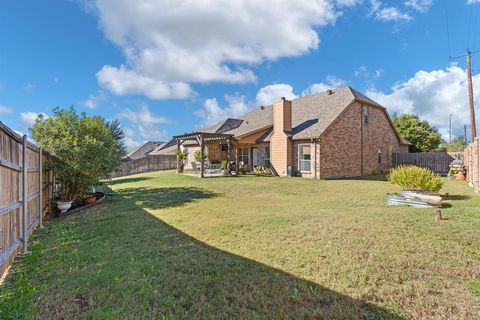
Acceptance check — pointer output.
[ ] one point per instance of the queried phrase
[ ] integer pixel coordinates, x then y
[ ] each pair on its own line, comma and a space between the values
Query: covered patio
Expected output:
202, 139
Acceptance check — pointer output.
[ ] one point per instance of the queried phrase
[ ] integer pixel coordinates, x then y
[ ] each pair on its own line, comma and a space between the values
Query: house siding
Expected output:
347, 152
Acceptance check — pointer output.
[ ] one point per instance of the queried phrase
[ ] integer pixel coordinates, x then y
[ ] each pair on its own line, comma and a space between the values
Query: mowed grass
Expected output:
252, 247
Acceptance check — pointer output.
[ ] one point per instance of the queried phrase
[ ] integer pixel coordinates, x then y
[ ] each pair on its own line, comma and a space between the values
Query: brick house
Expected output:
333, 134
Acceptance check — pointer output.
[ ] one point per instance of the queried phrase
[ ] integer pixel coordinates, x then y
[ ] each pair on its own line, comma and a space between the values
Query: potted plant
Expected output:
89, 199
181, 157
243, 169
198, 156
224, 167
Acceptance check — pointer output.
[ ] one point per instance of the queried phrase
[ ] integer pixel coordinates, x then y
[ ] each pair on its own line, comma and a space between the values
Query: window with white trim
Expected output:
379, 156
304, 156
244, 155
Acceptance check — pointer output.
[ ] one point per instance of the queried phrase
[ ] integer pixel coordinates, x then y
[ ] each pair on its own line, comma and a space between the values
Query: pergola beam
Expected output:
203, 138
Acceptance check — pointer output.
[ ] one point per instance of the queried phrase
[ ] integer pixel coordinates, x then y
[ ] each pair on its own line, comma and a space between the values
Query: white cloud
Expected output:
330, 83
419, 5
30, 87
56, 79
385, 13
28, 118
433, 96
211, 113
131, 139
123, 80
5, 110
267, 95
142, 115
347, 3
94, 100
169, 45
145, 124
473, 1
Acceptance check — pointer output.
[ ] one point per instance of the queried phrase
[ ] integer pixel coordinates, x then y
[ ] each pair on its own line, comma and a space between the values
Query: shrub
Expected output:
262, 171
224, 165
243, 169
415, 178
198, 156
85, 150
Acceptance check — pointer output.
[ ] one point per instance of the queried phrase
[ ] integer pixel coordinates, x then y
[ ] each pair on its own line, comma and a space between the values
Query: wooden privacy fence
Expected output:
25, 192
146, 164
472, 163
437, 161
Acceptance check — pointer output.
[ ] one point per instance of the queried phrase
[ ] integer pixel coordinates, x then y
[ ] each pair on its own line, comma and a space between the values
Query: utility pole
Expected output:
450, 130
470, 95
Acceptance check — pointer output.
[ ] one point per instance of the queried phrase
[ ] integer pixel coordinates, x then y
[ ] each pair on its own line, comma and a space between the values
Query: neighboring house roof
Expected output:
311, 115
166, 149
142, 150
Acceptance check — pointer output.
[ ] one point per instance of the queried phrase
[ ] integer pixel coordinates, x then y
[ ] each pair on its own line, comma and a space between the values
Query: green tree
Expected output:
84, 150
457, 144
420, 134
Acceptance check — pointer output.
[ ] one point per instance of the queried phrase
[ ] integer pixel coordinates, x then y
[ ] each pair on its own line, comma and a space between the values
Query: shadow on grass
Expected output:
129, 264
456, 197
161, 198
127, 180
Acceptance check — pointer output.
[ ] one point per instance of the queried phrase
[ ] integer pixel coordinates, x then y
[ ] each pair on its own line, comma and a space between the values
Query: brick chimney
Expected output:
281, 152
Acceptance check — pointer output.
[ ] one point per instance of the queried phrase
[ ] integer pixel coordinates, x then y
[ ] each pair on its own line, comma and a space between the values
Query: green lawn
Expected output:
252, 247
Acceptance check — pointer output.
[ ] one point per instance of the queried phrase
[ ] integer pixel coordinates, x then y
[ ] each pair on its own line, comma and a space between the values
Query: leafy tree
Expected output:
84, 150
457, 144
422, 136
117, 132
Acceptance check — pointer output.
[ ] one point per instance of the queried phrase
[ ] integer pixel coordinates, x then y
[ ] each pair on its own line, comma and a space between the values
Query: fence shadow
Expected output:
160, 198
156, 270
127, 180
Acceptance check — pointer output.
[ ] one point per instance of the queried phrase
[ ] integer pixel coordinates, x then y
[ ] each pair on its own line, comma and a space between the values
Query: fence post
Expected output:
24, 195
40, 184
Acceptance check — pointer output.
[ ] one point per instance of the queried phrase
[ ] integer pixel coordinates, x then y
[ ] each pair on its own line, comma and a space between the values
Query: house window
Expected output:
379, 156
365, 114
266, 157
244, 155
304, 157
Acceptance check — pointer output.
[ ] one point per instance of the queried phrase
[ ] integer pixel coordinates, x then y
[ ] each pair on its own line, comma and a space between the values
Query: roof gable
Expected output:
311, 115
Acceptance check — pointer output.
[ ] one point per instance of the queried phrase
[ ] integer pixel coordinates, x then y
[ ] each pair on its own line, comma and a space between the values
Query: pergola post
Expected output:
178, 158
229, 147
202, 153
237, 160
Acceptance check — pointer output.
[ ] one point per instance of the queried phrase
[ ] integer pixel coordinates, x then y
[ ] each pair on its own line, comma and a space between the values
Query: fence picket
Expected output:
439, 162
22, 197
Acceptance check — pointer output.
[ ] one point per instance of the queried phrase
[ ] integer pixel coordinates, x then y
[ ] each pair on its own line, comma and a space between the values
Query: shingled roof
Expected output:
142, 150
311, 115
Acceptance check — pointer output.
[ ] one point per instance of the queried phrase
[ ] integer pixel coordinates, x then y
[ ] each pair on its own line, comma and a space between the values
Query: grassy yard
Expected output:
252, 247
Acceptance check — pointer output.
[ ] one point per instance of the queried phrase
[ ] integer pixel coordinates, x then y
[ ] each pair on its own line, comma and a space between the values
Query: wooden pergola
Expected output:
202, 138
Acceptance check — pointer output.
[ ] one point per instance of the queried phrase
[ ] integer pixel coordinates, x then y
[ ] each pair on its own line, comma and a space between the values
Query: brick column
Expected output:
475, 164
466, 163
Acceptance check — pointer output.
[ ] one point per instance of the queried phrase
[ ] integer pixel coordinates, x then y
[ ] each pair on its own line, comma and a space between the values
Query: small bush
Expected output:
262, 171
243, 169
224, 164
415, 178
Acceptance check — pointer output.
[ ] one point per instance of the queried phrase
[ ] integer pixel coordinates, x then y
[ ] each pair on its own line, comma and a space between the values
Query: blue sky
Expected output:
167, 67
